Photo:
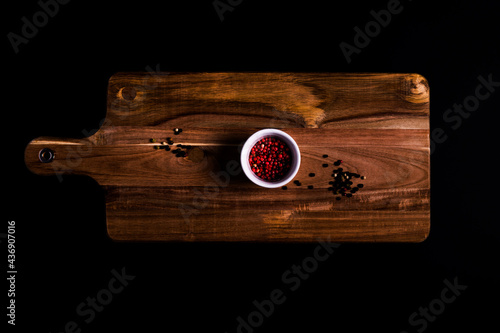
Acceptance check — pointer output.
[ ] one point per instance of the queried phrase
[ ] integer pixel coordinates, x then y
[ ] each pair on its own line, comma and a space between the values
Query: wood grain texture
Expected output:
378, 124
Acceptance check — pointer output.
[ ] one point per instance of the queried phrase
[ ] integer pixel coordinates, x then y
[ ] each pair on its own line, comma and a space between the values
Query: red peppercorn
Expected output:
270, 159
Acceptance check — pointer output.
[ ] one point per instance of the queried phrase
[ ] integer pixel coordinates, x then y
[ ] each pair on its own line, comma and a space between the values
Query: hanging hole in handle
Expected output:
46, 155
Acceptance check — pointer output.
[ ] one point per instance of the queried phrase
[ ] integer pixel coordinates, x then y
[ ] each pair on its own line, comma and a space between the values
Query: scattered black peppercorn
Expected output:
325, 165
310, 187
342, 184
180, 154
284, 187
312, 174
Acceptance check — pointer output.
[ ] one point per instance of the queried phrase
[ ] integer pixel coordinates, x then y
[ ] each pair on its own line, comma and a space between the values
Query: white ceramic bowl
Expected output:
252, 140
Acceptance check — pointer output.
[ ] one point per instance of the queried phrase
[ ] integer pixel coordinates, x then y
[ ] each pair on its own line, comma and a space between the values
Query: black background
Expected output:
56, 86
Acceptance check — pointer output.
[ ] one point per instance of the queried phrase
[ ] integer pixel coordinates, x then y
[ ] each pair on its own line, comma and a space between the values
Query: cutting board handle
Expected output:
49, 155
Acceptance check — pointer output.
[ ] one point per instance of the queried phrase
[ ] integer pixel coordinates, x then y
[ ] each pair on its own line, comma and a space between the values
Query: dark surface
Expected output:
64, 256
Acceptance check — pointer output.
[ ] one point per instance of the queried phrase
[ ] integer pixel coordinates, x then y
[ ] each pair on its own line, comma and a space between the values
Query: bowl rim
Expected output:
254, 138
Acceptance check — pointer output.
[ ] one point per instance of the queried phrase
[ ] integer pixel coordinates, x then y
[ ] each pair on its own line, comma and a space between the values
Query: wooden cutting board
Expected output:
377, 124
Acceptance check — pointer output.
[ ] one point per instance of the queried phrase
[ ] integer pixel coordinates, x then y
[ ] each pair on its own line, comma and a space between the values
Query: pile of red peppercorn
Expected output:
270, 159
